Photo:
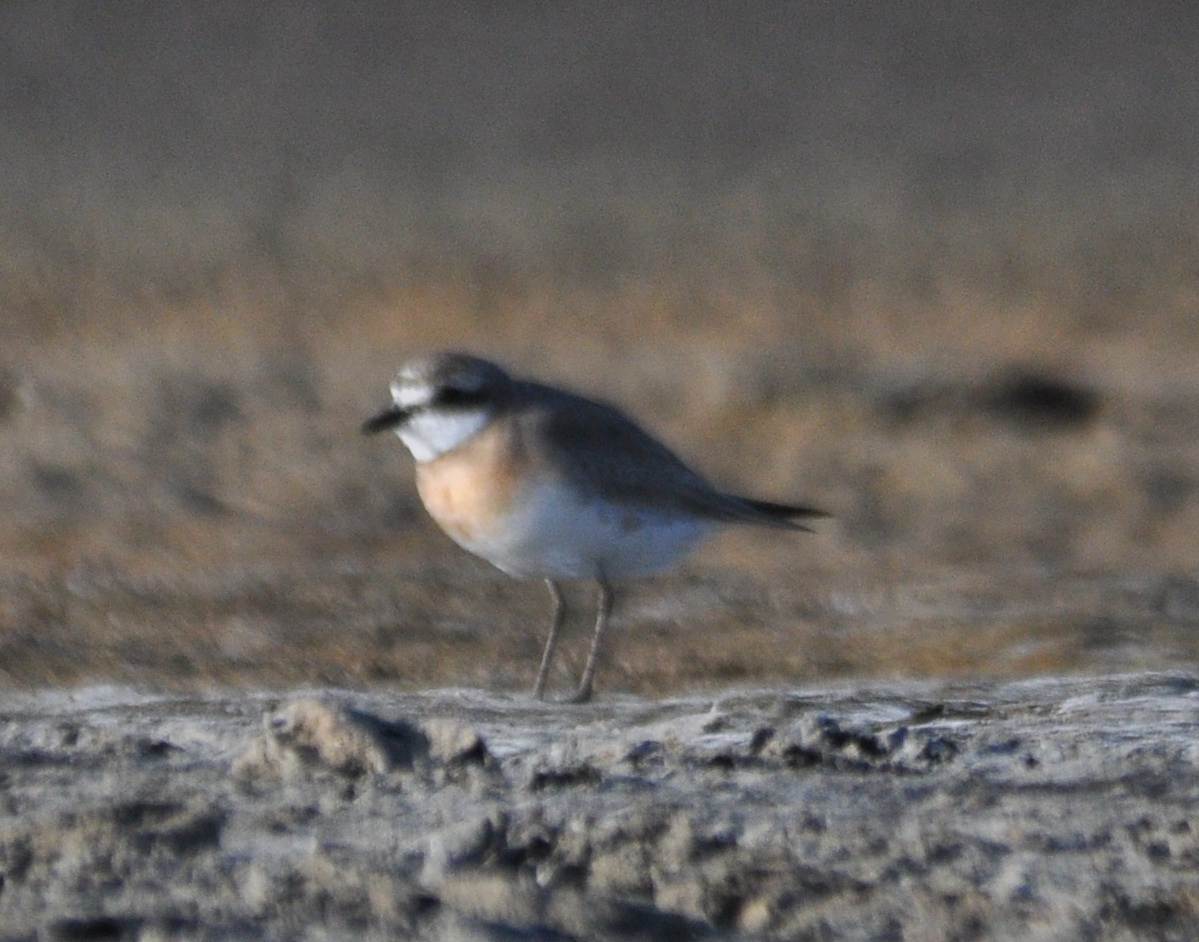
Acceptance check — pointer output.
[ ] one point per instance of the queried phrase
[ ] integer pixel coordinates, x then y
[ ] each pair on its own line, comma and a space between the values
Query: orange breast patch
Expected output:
469, 490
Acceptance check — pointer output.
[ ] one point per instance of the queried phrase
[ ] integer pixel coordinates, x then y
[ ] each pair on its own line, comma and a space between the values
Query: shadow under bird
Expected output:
544, 483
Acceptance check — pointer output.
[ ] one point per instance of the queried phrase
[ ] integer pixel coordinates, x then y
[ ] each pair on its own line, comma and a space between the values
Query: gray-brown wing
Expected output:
603, 452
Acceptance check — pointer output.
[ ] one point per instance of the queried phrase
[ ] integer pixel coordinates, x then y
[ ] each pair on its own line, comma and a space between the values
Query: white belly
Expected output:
548, 533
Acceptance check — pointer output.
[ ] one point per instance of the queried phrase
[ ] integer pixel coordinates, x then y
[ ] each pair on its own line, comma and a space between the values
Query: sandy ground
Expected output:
1037, 810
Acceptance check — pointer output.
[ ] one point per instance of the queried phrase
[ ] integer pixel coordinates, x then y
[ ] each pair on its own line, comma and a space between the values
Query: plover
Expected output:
541, 482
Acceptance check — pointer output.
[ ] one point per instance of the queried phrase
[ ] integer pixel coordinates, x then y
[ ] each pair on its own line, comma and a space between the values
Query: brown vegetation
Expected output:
938, 277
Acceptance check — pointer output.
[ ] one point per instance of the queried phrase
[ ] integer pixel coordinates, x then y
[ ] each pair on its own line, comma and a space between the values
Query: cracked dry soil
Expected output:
1051, 809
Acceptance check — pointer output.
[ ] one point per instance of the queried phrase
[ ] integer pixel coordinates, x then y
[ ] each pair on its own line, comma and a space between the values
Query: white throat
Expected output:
431, 433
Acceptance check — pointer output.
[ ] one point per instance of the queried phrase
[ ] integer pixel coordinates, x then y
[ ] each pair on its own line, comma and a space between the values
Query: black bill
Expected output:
389, 418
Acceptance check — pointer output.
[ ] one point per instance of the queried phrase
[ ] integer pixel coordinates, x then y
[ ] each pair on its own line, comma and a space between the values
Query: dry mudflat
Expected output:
1047, 809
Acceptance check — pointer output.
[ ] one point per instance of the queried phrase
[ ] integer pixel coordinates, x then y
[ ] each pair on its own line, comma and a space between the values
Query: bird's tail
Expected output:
779, 515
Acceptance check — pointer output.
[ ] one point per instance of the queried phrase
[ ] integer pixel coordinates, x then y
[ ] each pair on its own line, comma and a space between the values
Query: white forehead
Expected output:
418, 382
409, 392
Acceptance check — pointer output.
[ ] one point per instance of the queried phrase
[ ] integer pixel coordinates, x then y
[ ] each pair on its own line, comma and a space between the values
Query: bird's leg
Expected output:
555, 625
603, 610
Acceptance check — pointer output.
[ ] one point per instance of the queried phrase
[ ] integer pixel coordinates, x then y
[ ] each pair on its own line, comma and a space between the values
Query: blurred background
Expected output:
931, 266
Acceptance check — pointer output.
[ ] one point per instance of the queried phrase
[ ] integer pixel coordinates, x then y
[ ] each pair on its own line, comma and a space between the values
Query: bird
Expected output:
545, 483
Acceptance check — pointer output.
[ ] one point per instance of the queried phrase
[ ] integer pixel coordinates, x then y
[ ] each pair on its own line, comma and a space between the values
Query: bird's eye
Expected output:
453, 397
